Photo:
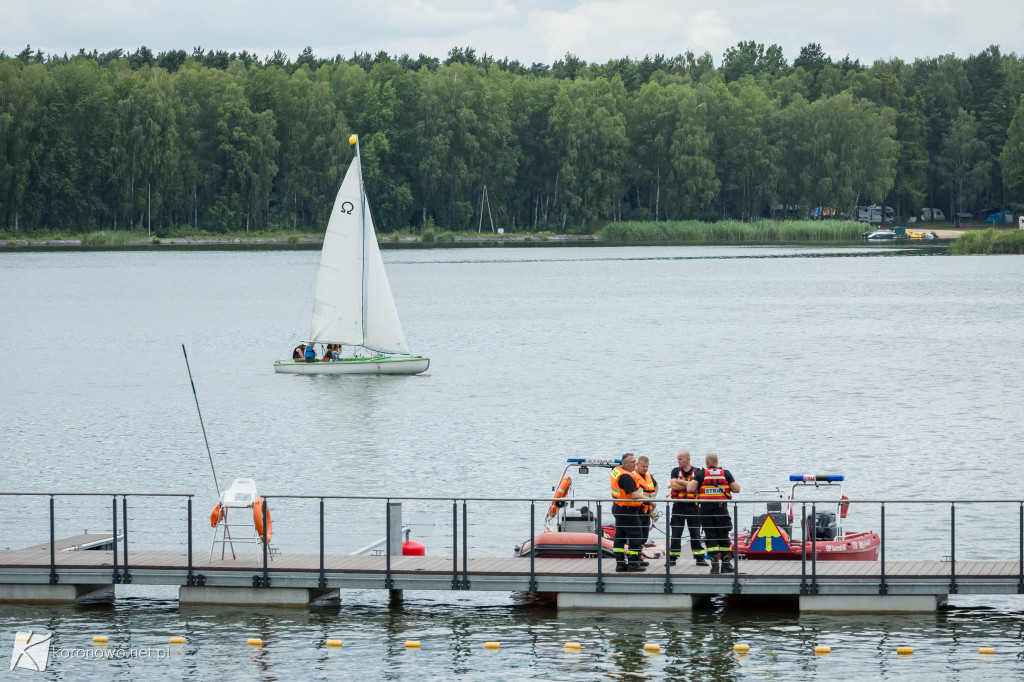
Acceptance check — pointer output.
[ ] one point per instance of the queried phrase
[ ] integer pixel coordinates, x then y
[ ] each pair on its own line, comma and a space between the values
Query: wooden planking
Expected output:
73, 541
32, 558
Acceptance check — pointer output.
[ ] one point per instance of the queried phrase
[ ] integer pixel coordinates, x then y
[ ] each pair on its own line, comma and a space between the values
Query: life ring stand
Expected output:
217, 516
561, 491
257, 519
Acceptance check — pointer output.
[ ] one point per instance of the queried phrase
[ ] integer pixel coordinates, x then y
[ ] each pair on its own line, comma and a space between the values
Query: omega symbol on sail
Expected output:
347, 207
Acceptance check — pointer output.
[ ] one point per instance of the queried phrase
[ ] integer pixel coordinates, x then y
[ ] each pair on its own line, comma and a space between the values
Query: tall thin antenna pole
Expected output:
215, 484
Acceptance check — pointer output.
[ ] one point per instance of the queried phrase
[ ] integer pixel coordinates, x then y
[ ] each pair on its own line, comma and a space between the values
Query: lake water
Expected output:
897, 368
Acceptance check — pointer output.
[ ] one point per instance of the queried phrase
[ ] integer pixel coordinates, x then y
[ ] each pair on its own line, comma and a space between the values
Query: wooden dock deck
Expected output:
32, 566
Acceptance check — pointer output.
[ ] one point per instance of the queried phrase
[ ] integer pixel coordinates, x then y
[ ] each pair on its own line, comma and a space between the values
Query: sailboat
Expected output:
352, 302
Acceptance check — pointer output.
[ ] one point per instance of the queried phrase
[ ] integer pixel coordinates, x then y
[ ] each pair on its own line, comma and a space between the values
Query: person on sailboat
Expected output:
311, 353
299, 352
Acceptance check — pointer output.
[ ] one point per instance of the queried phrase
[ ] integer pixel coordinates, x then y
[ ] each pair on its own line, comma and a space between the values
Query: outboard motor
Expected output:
824, 524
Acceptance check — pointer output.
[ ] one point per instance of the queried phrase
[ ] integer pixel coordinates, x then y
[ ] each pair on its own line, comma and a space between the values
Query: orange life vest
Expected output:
618, 493
714, 487
645, 483
682, 494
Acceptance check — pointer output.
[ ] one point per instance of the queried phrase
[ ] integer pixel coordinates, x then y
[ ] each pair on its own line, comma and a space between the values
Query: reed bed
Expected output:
697, 232
111, 238
989, 241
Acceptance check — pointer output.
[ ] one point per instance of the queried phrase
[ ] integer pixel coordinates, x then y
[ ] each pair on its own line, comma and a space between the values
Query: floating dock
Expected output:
301, 580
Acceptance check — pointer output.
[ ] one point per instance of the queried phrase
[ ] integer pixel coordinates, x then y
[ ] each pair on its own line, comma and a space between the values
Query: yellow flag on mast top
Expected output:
352, 139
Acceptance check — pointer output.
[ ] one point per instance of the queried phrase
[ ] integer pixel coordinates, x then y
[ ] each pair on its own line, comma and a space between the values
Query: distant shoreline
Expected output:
385, 242
305, 241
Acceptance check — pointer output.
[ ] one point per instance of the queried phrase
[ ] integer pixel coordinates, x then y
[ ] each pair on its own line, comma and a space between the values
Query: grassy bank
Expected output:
696, 232
989, 241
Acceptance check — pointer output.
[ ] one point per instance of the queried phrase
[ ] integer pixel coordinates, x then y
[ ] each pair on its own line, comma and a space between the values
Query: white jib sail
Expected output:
352, 301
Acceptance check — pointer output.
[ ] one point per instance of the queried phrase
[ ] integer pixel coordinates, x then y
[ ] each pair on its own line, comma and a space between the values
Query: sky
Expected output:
525, 30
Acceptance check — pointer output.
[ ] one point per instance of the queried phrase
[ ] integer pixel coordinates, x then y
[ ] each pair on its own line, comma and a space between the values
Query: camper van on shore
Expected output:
932, 214
873, 214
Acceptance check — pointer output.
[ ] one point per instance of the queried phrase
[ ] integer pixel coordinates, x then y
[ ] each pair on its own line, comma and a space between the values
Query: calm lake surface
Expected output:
899, 368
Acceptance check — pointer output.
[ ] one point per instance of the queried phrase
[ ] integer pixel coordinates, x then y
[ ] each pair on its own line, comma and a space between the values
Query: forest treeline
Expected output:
215, 142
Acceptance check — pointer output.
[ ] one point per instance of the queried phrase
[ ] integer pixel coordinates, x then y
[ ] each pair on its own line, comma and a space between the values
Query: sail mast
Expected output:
354, 139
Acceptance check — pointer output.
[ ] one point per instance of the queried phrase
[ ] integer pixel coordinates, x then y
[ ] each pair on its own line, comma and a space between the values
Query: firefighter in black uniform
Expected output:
714, 488
628, 493
685, 514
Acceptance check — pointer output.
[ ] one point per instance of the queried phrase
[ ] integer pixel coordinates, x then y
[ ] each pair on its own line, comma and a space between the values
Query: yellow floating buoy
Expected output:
572, 645
492, 645
741, 647
254, 641
904, 650
986, 650
822, 650
333, 643
412, 644
99, 639
177, 640
652, 648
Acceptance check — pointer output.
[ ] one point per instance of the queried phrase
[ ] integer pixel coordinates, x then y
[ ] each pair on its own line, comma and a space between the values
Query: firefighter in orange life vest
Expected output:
627, 493
714, 487
648, 512
684, 512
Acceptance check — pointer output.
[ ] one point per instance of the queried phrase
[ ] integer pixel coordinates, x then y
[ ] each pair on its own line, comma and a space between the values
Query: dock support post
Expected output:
953, 589
668, 551
393, 531
1020, 560
193, 578
814, 550
736, 547
322, 581
533, 548
883, 588
600, 550
54, 579
465, 546
126, 577
803, 549
117, 568
455, 545
266, 569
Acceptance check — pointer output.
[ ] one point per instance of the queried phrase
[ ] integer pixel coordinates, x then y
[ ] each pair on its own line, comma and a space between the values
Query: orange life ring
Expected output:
217, 516
257, 518
560, 492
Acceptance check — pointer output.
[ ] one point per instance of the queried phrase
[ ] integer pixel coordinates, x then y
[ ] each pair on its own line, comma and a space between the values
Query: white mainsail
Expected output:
352, 303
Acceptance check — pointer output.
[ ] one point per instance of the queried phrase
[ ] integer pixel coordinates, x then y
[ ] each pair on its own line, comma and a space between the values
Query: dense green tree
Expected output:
221, 141
965, 162
1012, 155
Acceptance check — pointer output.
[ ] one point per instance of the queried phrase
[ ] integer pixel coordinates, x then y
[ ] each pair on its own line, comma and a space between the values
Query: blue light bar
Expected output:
810, 478
595, 462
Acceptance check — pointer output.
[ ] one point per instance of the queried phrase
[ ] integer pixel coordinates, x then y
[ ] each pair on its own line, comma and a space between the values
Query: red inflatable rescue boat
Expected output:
773, 535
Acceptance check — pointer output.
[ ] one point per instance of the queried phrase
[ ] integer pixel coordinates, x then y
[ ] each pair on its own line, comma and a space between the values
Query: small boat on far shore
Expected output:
897, 233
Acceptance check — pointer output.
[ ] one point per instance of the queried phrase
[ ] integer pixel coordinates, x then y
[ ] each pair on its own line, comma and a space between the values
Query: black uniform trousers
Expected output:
685, 515
645, 521
714, 517
628, 536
